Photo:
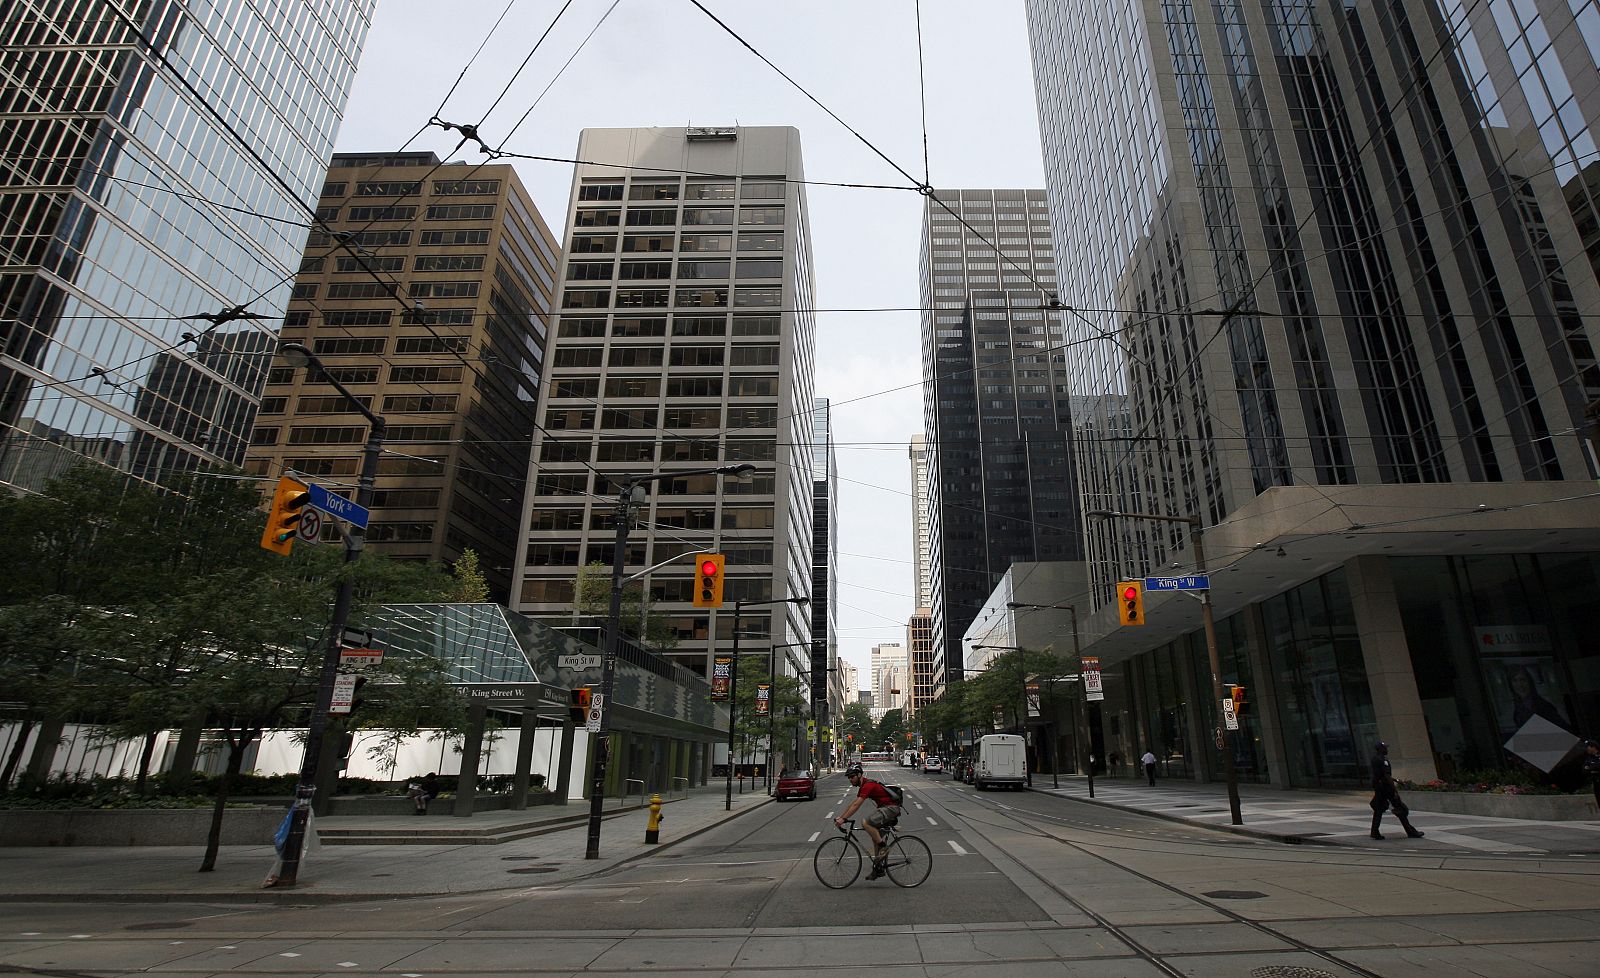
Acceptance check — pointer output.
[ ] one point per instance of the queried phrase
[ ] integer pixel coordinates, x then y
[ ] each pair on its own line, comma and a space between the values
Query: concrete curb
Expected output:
307, 897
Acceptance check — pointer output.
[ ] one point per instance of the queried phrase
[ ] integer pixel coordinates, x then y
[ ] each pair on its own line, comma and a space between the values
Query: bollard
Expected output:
652, 831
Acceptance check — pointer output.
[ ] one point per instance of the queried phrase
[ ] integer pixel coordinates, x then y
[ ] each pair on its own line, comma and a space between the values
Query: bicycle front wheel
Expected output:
837, 862
910, 861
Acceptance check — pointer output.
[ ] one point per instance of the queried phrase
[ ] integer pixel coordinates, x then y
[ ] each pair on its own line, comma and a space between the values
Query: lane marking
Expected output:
930, 820
957, 847
829, 815
814, 836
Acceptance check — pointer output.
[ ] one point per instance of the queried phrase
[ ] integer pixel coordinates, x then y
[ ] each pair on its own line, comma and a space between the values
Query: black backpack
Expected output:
897, 793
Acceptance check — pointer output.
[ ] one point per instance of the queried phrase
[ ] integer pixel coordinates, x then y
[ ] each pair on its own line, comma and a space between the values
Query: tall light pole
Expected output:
1077, 655
355, 541
772, 701
1197, 542
733, 684
632, 494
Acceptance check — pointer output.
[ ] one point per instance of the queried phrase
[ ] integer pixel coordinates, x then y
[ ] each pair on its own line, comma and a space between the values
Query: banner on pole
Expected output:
763, 699
1033, 701
1089, 666
721, 677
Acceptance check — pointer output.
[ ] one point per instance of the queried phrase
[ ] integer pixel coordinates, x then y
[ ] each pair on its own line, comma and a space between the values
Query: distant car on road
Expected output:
932, 765
795, 784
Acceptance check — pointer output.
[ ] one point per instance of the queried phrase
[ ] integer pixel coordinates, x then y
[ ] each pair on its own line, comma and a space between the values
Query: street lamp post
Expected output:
772, 700
1225, 740
632, 494
355, 541
1077, 655
733, 687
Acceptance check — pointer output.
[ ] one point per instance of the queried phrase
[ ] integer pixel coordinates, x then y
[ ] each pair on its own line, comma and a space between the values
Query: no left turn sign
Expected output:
310, 528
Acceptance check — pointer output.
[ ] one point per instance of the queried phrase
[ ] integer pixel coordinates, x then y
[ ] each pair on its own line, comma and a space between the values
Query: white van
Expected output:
1002, 760
908, 758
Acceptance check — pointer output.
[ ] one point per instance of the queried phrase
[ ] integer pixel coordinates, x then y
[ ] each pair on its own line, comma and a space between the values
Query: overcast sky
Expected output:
666, 63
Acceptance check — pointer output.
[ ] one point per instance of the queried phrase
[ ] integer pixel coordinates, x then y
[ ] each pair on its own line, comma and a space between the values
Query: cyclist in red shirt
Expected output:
886, 814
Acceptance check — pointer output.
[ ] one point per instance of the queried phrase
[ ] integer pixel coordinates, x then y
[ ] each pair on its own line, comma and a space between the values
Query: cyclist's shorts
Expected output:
885, 815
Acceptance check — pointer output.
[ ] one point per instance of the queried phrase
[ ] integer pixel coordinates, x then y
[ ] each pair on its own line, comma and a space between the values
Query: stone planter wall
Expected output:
1545, 808
137, 827
390, 805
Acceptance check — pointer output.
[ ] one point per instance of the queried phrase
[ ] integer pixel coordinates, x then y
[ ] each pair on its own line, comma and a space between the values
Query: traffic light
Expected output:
1130, 602
578, 704
1238, 701
708, 580
283, 520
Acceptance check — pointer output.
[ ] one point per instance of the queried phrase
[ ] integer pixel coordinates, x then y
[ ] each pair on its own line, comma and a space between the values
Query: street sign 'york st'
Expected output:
338, 506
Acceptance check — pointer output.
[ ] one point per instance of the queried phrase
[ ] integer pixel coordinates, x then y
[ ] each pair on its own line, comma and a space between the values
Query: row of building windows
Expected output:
682, 325
669, 419
411, 188
589, 271
685, 297
408, 212
654, 356
670, 190
752, 385
610, 217
695, 243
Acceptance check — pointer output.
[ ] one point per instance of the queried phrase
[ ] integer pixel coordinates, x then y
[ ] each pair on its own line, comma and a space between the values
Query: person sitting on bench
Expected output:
422, 791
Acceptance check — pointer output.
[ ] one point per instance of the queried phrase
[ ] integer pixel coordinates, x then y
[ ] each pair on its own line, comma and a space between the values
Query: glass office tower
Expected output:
1339, 266
1000, 481
159, 162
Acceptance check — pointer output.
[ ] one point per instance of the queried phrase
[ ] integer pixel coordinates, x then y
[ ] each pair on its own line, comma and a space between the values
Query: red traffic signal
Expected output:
1130, 604
708, 580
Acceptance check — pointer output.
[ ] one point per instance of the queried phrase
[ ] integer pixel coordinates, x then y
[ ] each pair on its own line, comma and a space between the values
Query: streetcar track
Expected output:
1154, 958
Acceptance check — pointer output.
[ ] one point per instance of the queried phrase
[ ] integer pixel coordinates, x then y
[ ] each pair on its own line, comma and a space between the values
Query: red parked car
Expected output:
795, 784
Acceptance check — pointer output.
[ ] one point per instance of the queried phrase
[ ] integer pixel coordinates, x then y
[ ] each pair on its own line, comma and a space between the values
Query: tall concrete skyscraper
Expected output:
685, 341
1000, 482
436, 317
1339, 272
921, 523
891, 678
159, 163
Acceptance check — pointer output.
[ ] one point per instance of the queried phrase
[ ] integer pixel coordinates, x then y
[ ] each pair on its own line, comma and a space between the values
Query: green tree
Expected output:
855, 724
787, 705
890, 733
592, 599
160, 606
470, 584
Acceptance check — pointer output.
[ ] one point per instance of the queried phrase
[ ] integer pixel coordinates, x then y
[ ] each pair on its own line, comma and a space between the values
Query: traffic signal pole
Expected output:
355, 542
608, 670
1225, 737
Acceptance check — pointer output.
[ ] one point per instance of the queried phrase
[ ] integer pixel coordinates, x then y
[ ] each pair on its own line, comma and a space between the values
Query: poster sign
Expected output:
1091, 678
721, 677
763, 699
1033, 701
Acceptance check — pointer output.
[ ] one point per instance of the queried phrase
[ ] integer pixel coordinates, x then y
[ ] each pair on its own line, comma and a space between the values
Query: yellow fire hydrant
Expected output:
652, 831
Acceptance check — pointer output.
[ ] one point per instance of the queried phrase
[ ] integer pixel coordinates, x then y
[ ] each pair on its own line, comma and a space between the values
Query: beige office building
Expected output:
429, 299
684, 342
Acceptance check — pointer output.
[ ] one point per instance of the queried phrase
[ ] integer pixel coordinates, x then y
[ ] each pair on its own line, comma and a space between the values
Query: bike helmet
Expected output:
852, 769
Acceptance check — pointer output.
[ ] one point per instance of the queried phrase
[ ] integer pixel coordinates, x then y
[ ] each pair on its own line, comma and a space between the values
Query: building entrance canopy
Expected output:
512, 663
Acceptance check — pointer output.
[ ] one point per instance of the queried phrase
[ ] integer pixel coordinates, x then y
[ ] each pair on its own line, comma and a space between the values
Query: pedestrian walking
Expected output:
1149, 762
1385, 796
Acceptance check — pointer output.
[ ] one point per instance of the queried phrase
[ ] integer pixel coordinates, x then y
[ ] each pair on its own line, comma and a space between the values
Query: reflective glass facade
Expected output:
1000, 481
1341, 256
159, 159
824, 556
1316, 261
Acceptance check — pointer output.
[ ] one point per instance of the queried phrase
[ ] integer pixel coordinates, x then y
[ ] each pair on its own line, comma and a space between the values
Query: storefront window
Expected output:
1324, 703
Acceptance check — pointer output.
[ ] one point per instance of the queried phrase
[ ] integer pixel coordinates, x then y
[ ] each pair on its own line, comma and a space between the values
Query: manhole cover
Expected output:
532, 869
1289, 971
1234, 895
160, 925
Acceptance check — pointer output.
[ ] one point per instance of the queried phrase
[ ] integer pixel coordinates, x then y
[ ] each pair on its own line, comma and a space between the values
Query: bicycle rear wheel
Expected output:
910, 861
837, 862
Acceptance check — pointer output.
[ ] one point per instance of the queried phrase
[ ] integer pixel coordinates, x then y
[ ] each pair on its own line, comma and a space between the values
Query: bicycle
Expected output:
907, 860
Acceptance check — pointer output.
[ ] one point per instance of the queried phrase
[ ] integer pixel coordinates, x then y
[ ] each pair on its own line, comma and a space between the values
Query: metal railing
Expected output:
622, 802
674, 790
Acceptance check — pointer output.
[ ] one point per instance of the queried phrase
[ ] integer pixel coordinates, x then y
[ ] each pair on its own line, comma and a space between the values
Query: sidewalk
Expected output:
1329, 818
334, 873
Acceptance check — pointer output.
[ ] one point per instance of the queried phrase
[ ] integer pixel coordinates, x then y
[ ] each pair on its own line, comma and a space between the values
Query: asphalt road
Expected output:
1023, 885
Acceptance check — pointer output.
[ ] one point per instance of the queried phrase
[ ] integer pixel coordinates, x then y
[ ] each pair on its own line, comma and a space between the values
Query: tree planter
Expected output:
1551, 808
137, 827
